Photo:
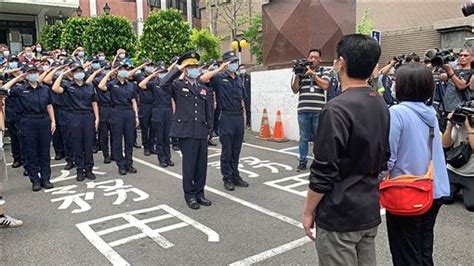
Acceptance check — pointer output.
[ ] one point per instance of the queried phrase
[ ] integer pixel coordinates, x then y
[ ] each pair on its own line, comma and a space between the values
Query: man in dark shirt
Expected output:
351, 148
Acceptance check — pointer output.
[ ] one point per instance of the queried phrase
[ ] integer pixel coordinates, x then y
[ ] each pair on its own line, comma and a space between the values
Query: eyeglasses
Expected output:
464, 55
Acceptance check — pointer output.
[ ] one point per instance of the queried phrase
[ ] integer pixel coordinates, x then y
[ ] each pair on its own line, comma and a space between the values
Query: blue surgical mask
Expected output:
79, 76
122, 73
233, 67
13, 65
32, 77
81, 54
39, 49
194, 73
149, 69
101, 58
163, 75
95, 65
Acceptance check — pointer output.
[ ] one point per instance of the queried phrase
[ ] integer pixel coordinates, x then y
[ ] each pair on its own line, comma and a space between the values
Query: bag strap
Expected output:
431, 133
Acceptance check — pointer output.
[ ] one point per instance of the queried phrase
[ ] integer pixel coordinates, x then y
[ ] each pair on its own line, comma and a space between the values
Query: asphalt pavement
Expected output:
142, 219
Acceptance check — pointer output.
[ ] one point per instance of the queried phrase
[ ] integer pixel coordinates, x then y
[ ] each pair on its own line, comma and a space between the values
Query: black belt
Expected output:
81, 111
34, 116
232, 113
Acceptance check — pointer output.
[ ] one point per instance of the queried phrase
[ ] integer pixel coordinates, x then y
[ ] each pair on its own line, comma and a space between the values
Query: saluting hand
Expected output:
22, 76
224, 66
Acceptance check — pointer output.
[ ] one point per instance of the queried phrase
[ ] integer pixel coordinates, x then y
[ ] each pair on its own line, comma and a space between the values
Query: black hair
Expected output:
412, 57
414, 83
361, 54
316, 50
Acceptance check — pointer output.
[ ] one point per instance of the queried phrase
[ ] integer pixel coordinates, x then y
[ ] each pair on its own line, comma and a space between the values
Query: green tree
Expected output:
165, 34
206, 44
73, 34
108, 34
366, 24
255, 37
50, 36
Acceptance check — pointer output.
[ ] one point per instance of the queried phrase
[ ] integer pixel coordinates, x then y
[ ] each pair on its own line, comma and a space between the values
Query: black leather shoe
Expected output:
36, 186
170, 163
301, 167
211, 143
58, 157
46, 184
90, 175
163, 164
193, 204
175, 148
204, 202
146, 152
239, 182
25, 173
69, 166
16, 164
112, 158
80, 176
228, 185
107, 160
131, 169
122, 172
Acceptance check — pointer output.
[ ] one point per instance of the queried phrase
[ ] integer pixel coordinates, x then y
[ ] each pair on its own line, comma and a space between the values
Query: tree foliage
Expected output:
73, 34
165, 34
366, 24
50, 37
254, 35
206, 44
109, 33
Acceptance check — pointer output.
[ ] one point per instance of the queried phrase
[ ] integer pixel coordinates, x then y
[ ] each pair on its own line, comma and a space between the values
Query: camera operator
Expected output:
312, 87
458, 88
459, 133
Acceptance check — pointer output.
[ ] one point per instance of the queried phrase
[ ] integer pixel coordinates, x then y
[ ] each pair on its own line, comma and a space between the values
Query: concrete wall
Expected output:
272, 90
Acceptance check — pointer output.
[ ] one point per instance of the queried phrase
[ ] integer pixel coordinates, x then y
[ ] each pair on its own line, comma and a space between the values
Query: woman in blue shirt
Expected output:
411, 237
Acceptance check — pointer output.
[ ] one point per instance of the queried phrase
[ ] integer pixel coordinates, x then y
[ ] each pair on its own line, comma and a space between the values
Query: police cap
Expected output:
229, 56
191, 58
30, 68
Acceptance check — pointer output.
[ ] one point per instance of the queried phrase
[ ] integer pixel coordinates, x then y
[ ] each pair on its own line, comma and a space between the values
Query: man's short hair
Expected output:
361, 53
415, 83
466, 49
315, 50
412, 57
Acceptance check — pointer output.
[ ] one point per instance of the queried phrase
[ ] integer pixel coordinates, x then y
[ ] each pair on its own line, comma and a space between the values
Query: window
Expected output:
154, 3
196, 9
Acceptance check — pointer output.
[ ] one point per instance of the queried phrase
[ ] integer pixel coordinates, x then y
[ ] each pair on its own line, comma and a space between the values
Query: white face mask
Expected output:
121, 56
6, 53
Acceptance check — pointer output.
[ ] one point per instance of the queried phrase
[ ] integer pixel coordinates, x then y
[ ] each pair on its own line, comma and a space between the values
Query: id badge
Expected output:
312, 89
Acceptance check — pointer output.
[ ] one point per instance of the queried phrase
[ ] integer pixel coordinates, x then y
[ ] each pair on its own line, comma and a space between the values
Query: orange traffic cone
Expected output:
278, 132
264, 133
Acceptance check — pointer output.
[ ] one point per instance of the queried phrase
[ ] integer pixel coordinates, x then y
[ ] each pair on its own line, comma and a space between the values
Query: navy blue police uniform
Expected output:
35, 128
145, 106
105, 114
122, 121
230, 92
191, 125
162, 114
82, 124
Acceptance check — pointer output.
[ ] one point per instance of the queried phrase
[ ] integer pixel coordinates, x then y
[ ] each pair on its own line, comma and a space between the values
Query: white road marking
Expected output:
275, 150
272, 252
142, 225
289, 148
263, 210
297, 182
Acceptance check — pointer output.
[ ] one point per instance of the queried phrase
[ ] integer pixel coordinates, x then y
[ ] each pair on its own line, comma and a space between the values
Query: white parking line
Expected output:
289, 148
263, 210
283, 151
272, 252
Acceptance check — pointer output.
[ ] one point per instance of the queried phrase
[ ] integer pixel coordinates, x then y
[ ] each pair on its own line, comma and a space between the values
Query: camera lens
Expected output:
468, 9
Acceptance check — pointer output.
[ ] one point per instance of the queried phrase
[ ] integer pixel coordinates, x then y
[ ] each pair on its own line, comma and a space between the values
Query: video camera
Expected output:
300, 66
464, 110
399, 59
442, 57
468, 9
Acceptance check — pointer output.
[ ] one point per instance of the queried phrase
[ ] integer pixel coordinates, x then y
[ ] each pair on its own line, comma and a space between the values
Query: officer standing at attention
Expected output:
145, 105
162, 113
191, 125
123, 95
105, 109
230, 95
36, 124
84, 119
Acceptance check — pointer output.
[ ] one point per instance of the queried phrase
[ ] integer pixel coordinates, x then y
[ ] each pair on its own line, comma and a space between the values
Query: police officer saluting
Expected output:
124, 120
230, 95
36, 124
191, 125
84, 118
